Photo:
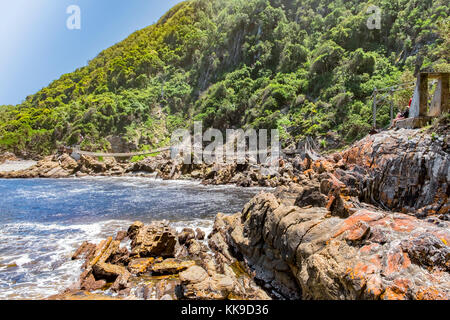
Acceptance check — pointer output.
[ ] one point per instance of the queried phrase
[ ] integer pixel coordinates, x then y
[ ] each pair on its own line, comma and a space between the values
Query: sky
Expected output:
37, 47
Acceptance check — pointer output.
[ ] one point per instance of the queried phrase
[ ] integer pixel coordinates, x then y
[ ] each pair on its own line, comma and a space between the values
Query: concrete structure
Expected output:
420, 113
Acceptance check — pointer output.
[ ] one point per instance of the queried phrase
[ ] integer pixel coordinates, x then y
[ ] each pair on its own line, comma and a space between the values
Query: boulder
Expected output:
199, 234
84, 251
194, 274
140, 265
155, 240
121, 235
171, 266
185, 235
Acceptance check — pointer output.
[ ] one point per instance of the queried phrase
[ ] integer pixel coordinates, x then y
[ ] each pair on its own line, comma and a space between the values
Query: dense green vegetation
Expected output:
304, 66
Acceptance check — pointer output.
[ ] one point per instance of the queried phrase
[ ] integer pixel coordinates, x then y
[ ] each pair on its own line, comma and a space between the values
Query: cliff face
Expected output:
319, 239
406, 170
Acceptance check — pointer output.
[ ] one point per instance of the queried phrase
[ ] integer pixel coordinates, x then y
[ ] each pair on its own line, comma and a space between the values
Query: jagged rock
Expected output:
171, 278
171, 266
91, 165
121, 235
311, 196
428, 250
185, 235
134, 229
112, 272
121, 256
88, 282
371, 254
193, 274
405, 169
200, 235
195, 248
140, 265
154, 241
98, 266
86, 250
67, 162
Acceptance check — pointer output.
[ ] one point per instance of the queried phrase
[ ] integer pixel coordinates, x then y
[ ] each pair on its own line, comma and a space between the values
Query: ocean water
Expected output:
43, 221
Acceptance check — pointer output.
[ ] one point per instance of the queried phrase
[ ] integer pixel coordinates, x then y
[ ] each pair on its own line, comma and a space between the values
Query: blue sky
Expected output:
37, 47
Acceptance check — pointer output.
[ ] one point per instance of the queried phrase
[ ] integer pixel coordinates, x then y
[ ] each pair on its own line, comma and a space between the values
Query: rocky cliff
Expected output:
405, 170
368, 223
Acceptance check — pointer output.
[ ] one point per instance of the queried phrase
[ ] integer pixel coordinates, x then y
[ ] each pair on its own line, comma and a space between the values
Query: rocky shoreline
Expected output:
370, 222
153, 262
161, 167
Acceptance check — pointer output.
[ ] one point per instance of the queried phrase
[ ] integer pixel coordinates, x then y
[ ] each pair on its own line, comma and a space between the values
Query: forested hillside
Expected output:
306, 67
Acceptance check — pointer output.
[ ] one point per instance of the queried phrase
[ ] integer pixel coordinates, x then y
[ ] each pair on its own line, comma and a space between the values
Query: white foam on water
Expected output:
36, 258
39, 264
205, 225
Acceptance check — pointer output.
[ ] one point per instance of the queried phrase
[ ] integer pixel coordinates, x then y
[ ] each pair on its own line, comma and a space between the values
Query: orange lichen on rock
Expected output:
360, 216
396, 262
431, 293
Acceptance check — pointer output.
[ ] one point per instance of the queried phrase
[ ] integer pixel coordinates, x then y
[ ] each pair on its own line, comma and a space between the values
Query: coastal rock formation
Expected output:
406, 170
98, 269
310, 253
368, 223
245, 175
152, 241
161, 265
7, 156
64, 166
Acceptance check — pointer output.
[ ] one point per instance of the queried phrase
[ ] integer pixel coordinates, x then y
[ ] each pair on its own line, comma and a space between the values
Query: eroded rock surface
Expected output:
405, 170
63, 166
161, 265
309, 253
368, 223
